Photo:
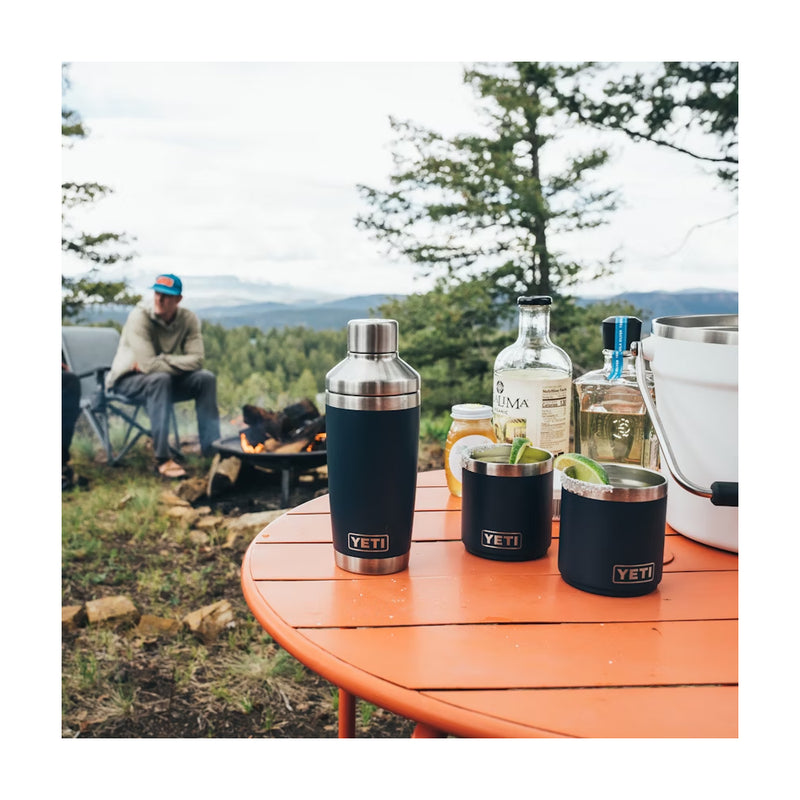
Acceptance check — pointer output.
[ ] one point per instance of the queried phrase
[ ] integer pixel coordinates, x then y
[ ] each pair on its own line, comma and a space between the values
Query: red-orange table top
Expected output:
484, 648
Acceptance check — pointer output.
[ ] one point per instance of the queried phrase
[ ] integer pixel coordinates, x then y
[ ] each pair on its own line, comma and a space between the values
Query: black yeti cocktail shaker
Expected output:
372, 401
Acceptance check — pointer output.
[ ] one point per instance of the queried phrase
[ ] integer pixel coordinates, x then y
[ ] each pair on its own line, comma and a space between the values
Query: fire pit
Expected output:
291, 441
289, 464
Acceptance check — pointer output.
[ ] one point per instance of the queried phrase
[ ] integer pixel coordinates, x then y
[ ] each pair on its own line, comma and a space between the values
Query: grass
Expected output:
117, 539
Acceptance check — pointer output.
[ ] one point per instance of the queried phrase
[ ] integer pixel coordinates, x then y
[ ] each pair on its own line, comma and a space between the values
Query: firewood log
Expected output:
270, 422
301, 412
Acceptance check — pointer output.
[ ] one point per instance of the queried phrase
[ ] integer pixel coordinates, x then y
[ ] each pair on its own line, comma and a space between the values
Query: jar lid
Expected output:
471, 411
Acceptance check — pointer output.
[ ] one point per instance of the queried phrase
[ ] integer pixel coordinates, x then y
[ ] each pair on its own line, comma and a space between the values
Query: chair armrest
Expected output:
99, 373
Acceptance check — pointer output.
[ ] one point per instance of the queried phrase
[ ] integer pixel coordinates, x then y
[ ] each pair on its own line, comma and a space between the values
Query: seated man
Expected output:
159, 361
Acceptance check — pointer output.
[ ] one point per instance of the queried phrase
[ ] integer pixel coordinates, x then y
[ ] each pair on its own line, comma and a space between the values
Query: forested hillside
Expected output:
440, 336
269, 368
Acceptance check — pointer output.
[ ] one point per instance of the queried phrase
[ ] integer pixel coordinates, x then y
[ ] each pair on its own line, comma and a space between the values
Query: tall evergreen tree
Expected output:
662, 105
97, 248
491, 203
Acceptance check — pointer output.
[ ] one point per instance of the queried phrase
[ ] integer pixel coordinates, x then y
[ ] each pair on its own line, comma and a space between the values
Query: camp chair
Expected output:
88, 352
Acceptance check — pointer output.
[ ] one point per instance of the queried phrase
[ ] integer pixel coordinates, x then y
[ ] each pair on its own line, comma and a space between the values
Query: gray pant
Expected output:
159, 390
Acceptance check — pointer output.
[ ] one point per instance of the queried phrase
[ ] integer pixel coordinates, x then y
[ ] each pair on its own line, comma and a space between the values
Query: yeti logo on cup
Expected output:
501, 541
634, 573
372, 543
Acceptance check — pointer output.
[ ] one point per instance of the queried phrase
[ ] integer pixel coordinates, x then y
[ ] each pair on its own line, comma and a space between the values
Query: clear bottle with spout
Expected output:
611, 421
532, 389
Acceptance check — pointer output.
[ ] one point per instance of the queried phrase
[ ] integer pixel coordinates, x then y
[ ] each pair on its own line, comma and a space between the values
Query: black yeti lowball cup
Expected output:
506, 509
611, 539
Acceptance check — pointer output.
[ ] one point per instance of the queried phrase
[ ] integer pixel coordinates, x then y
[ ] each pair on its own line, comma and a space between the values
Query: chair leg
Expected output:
176, 448
127, 441
99, 424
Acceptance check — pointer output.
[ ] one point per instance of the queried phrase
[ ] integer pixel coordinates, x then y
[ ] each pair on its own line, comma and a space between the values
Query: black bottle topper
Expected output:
620, 332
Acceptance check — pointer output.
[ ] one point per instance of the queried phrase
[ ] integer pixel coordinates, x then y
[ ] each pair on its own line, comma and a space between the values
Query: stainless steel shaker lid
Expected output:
372, 336
373, 369
704, 328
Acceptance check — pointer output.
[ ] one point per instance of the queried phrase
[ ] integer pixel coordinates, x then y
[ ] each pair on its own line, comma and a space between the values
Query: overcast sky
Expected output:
250, 169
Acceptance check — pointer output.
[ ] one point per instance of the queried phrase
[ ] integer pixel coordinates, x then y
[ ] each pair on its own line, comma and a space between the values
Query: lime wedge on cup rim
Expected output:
518, 448
581, 468
523, 452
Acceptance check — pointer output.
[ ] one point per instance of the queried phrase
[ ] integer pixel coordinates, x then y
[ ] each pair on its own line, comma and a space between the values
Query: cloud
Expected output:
252, 168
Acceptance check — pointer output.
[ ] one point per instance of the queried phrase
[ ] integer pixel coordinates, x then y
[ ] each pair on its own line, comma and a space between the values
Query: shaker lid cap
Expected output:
535, 300
372, 336
621, 331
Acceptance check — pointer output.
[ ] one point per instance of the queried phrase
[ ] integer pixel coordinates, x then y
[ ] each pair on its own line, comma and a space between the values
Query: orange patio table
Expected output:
471, 647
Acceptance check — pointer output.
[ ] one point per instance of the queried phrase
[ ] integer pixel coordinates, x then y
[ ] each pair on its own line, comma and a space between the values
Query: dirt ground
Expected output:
298, 703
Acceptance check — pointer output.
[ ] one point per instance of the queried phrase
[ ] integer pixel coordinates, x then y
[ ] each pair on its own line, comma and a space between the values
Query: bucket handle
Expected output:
721, 493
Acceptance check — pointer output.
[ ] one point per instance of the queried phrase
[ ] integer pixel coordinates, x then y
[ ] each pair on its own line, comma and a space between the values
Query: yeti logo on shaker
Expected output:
501, 541
633, 573
373, 543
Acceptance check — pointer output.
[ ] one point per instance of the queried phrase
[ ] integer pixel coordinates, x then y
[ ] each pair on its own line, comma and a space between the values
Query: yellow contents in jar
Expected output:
471, 427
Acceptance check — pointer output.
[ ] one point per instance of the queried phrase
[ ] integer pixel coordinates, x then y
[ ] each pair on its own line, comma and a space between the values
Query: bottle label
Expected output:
527, 404
460, 448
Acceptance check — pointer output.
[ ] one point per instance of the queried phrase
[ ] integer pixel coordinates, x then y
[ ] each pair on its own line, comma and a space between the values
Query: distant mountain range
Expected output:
687, 301
334, 314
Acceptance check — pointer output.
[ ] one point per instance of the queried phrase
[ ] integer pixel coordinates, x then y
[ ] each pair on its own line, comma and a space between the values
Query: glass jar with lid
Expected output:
471, 426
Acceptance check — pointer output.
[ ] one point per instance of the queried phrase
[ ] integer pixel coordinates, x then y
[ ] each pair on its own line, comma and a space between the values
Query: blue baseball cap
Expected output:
168, 284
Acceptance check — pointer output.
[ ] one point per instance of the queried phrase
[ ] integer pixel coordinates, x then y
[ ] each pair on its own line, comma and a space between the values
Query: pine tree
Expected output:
490, 203
663, 105
96, 248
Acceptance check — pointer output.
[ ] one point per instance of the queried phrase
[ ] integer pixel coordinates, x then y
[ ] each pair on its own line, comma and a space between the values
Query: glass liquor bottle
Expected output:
611, 422
533, 383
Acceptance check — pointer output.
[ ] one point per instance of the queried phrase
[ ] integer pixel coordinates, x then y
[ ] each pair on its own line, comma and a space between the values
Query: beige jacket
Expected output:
157, 347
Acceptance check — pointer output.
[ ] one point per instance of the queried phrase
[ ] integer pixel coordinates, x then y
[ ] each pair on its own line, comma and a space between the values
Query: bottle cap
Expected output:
620, 332
471, 411
372, 336
536, 300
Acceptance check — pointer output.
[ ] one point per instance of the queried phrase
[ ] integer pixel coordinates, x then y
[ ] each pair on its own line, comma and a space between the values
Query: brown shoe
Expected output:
170, 470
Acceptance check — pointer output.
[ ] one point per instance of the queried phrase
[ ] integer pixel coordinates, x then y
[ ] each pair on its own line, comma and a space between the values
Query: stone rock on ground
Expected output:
118, 608
198, 538
192, 489
253, 523
208, 523
150, 625
169, 498
185, 514
72, 617
208, 622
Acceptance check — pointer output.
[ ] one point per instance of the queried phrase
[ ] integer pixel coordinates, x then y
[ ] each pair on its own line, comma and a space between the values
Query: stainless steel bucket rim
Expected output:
700, 328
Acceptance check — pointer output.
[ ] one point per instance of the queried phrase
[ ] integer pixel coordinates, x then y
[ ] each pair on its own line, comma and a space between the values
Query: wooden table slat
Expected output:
402, 600
315, 561
520, 656
637, 712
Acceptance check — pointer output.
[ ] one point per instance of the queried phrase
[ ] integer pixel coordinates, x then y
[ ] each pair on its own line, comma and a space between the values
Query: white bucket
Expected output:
695, 365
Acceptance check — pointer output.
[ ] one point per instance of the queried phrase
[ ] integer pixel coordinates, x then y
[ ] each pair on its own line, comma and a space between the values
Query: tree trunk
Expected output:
540, 257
